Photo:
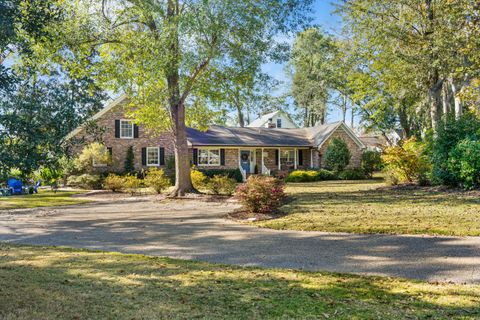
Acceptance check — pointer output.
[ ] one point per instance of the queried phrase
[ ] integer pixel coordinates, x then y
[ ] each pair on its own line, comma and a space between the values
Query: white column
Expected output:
279, 160
295, 158
311, 158
263, 163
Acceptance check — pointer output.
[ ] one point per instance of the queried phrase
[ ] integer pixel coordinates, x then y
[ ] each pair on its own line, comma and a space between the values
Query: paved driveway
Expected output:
197, 230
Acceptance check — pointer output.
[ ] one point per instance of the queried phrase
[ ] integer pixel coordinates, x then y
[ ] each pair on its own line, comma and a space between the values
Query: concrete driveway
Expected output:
197, 230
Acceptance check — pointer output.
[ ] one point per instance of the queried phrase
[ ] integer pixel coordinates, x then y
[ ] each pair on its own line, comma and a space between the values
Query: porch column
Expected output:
295, 158
279, 160
263, 163
311, 158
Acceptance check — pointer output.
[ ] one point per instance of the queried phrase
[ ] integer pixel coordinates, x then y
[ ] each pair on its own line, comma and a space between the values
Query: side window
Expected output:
279, 123
126, 129
153, 158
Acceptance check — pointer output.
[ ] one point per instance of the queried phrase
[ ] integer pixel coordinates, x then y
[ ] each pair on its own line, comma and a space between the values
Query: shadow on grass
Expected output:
52, 283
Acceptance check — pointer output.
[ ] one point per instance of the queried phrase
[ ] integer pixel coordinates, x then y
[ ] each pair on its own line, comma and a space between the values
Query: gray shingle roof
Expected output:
261, 137
254, 137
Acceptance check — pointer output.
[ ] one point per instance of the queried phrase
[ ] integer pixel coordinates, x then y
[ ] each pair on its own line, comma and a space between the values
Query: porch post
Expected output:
295, 158
263, 163
279, 160
311, 158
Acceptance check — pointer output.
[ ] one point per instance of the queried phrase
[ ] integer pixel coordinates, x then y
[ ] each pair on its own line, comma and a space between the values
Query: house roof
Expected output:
260, 122
234, 136
268, 137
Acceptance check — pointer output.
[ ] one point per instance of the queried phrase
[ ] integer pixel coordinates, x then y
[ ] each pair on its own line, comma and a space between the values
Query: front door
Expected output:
245, 160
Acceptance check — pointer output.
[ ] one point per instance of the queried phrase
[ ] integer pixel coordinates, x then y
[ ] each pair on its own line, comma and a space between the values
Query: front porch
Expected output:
268, 160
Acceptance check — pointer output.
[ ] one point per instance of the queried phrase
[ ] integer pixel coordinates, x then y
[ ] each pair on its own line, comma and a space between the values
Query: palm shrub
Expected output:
337, 155
219, 184
157, 180
406, 163
261, 194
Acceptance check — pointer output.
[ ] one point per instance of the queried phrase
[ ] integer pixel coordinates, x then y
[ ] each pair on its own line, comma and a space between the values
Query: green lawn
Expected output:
59, 283
360, 207
42, 199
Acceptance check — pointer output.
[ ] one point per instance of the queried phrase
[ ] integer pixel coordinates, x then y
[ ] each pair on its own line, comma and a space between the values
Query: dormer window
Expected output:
279, 123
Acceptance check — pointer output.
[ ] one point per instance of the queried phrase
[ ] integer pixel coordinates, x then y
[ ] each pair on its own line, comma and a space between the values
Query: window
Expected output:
126, 129
287, 156
153, 157
209, 157
279, 123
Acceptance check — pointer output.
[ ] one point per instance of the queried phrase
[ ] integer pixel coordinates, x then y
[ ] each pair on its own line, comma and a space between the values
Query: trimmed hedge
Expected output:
231, 173
352, 174
310, 175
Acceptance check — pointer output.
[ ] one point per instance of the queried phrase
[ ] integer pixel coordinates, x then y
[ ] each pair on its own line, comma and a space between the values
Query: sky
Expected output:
323, 16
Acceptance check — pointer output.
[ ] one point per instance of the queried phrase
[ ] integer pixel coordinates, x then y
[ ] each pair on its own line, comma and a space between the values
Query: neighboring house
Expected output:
252, 150
277, 119
377, 141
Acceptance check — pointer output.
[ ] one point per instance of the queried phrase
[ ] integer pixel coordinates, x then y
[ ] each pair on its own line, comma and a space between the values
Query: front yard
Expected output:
370, 207
42, 199
60, 283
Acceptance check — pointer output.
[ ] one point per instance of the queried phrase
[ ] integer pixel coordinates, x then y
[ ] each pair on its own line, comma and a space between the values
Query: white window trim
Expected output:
158, 158
133, 129
208, 158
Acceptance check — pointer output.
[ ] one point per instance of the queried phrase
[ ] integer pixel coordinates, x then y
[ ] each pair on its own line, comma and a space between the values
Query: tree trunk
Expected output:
435, 95
241, 118
183, 182
352, 121
456, 98
404, 123
344, 108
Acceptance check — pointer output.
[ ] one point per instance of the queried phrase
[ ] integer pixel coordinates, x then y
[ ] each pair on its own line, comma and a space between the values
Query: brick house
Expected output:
251, 149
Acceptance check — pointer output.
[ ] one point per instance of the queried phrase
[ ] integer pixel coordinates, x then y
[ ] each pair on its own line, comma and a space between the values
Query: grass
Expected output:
61, 283
42, 199
365, 207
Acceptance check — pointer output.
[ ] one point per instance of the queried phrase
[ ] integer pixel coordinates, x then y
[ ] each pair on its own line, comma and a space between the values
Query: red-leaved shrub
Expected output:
261, 194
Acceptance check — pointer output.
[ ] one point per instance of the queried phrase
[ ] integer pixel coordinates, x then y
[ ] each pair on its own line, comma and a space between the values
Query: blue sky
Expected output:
324, 16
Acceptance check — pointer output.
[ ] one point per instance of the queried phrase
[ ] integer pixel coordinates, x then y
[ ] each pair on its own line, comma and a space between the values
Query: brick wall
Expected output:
356, 152
120, 146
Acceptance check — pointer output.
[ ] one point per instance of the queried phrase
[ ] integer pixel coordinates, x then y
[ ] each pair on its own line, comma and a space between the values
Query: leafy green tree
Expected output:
337, 156
163, 53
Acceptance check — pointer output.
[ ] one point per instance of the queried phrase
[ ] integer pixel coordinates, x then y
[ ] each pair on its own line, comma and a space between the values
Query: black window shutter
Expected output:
277, 157
195, 156
117, 128
144, 156
162, 156
300, 157
135, 131
222, 157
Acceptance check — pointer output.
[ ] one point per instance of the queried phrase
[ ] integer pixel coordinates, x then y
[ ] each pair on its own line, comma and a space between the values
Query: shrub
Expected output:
130, 160
114, 182
352, 174
199, 179
157, 180
407, 163
85, 181
310, 175
371, 162
222, 185
449, 134
464, 163
231, 173
132, 183
337, 155
92, 153
261, 194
